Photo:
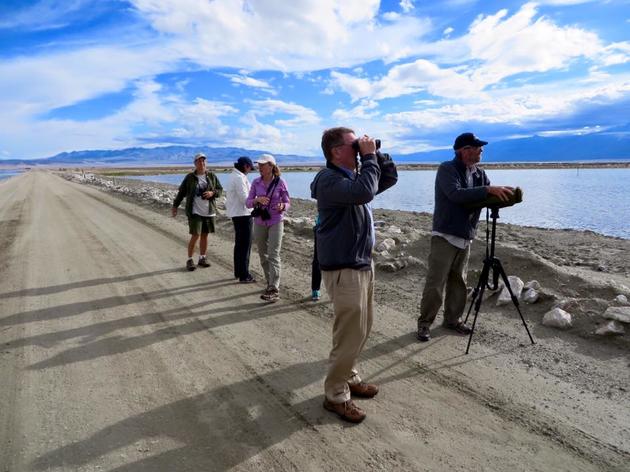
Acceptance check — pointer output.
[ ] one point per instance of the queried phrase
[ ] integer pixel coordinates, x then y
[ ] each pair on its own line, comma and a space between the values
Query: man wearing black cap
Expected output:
458, 182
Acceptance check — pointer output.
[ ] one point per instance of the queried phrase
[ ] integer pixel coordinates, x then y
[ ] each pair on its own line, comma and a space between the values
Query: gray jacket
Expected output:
344, 235
452, 192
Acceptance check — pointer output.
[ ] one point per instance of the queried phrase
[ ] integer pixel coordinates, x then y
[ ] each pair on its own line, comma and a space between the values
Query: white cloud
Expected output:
563, 3
366, 110
295, 36
40, 83
250, 82
300, 115
405, 79
520, 107
406, 5
48, 14
520, 43
495, 48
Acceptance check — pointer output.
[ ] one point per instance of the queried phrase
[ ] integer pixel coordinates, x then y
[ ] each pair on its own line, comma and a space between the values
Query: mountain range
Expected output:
590, 147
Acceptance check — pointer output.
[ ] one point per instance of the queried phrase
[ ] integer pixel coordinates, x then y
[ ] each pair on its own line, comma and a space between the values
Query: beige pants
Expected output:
351, 292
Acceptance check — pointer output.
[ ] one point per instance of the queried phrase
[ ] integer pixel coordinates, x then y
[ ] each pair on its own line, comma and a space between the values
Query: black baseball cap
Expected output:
468, 139
245, 161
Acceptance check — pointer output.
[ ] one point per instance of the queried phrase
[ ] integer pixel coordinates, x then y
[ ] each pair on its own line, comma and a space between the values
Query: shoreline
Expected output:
613, 252
158, 170
120, 171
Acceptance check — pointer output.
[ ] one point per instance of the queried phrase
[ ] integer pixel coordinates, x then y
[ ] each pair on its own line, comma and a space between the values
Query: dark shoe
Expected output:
203, 262
248, 280
364, 390
271, 295
190, 265
459, 328
424, 334
346, 411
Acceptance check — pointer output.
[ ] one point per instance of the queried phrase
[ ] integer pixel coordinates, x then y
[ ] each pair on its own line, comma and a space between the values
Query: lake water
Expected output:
5, 174
584, 199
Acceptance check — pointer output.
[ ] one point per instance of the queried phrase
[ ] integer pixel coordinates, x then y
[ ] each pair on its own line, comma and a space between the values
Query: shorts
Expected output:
200, 224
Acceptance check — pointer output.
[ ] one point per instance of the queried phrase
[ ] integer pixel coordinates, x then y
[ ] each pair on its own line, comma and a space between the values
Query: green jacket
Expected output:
188, 188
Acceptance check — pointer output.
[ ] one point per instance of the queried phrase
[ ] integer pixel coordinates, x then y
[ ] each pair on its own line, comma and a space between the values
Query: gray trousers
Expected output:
447, 268
269, 241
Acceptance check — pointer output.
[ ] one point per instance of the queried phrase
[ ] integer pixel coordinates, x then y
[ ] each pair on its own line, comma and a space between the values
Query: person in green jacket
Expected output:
201, 189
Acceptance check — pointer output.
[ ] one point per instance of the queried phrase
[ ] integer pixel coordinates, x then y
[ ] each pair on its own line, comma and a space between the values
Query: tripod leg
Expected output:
480, 284
477, 307
499, 267
478, 298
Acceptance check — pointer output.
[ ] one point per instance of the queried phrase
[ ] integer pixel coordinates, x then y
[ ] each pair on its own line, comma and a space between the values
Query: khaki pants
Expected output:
269, 241
447, 267
351, 292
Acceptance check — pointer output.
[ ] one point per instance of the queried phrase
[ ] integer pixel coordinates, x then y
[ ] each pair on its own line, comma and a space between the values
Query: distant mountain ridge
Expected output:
591, 147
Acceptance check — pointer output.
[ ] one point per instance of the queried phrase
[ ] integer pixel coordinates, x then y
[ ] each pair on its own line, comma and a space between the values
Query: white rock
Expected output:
394, 230
618, 313
621, 299
414, 261
389, 266
385, 245
610, 328
516, 284
383, 255
530, 296
533, 284
557, 318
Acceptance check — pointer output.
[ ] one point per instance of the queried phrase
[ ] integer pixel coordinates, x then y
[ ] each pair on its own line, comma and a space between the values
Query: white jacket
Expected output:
236, 195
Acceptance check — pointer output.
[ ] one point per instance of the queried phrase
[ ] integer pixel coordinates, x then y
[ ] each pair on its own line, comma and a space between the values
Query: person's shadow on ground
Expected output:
216, 430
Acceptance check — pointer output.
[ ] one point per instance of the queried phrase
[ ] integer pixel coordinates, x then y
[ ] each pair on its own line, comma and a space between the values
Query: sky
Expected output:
273, 74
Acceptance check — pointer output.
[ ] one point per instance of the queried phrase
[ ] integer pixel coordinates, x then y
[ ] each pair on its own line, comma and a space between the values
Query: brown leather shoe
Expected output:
459, 327
364, 390
346, 411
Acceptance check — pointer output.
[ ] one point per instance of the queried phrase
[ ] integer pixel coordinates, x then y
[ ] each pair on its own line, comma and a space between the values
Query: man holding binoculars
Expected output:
345, 238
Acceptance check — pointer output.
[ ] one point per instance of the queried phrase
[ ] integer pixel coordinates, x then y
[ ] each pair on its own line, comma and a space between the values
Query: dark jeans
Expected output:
242, 245
316, 273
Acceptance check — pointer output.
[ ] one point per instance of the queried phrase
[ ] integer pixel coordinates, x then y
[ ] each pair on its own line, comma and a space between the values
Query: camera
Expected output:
355, 144
201, 190
262, 212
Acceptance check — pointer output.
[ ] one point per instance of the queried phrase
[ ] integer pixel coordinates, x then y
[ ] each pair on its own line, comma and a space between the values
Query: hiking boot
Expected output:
424, 334
364, 390
272, 295
248, 280
459, 327
315, 296
346, 411
203, 262
190, 265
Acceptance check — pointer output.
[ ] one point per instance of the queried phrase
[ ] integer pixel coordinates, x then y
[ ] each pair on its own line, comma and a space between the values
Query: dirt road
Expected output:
113, 358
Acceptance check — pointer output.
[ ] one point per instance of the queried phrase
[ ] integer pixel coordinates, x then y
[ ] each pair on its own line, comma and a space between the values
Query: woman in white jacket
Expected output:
236, 194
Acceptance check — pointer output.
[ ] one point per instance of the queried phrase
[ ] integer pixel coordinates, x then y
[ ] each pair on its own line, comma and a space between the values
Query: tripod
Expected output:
491, 262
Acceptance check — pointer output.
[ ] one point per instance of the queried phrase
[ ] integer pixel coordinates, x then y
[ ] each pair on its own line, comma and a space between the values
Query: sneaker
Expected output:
272, 295
190, 265
424, 334
203, 262
364, 390
248, 280
459, 327
347, 411
315, 295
